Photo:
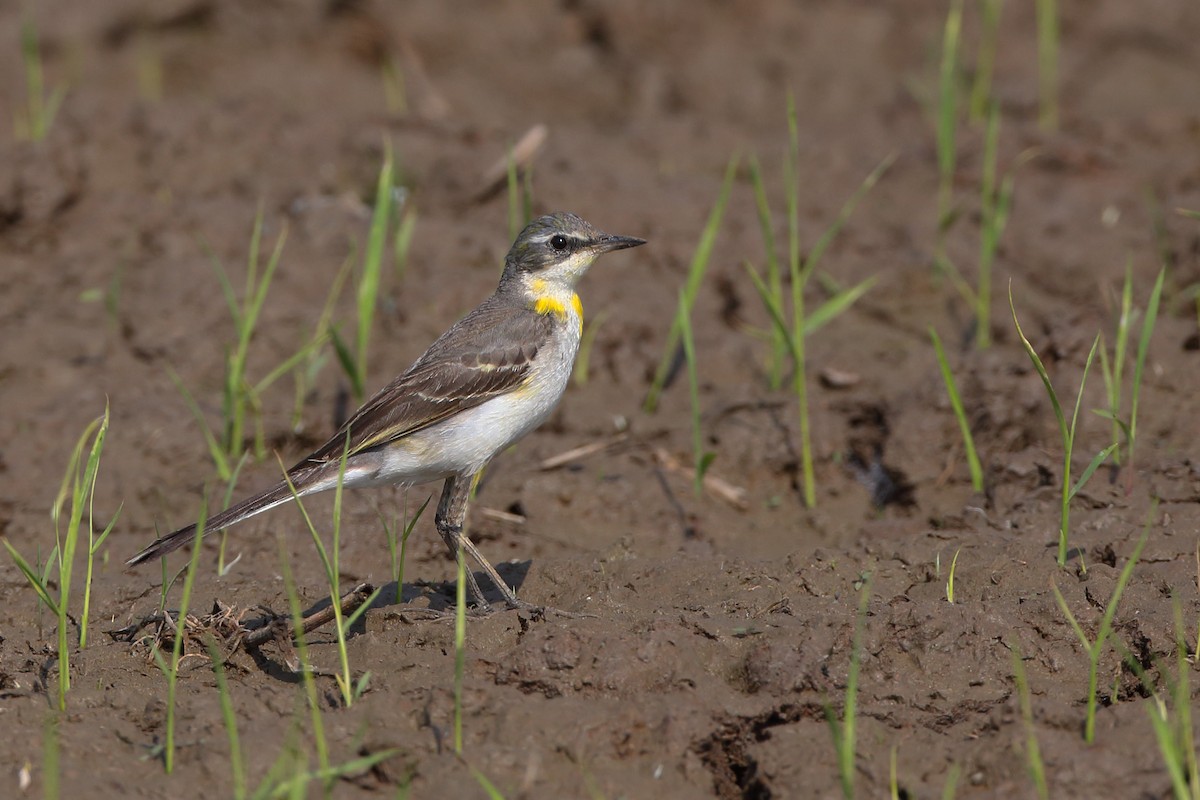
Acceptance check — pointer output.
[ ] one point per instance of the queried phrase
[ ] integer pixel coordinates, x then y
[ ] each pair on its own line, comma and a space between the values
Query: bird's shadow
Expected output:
276, 658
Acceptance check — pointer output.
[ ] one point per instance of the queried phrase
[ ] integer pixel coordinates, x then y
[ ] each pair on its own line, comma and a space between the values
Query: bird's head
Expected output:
558, 249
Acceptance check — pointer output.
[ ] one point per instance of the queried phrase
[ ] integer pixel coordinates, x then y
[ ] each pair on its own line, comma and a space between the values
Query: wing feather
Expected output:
486, 354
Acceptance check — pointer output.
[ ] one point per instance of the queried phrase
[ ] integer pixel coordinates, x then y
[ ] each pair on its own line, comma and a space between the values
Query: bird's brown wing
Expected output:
488, 353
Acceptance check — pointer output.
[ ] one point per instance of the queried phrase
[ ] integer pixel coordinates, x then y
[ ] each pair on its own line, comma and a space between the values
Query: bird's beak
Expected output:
607, 242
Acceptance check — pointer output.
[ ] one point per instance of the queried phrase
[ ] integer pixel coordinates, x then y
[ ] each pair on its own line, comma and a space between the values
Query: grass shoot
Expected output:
947, 126
1113, 371
519, 187
1175, 737
349, 688
1033, 752
774, 280
844, 731
691, 289
34, 120
1095, 647
237, 767
51, 757
995, 204
950, 788
171, 670
222, 567
1068, 491
395, 95
306, 674
485, 783
701, 458
354, 361
950, 577
236, 399
240, 397
973, 465
1047, 47
985, 60
398, 555
893, 779
1139, 363
802, 324
405, 229
76, 493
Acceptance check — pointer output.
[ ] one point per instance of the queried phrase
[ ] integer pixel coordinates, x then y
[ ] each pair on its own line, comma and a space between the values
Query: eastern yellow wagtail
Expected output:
489, 380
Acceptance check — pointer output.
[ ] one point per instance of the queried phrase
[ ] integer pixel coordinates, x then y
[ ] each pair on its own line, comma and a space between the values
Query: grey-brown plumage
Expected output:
490, 379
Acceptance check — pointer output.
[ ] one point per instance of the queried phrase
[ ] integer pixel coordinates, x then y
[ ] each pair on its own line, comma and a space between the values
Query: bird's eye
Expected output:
559, 242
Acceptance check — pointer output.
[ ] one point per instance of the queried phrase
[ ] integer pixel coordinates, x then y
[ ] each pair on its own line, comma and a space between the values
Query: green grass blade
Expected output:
31, 575
773, 309
1092, 466
1087, 366
947, 115
93, 548
368, 287
346, 359
1140, 361
1110, 610
976, 469
408, 529
700, 458
1169, 748
994, 212
51, 766
229, 716
847, 743
985, 60
330, 565
1066, 610
774, 277
1033, 753
288, 364
488, 787
257, 292
88, 487
1039, 367
112, 523
1123, 323
295, 787
1066, 433
214, 447
844, 214
513, 186
1047, 40
402, 241
310, 685
791, 177
358, 612
836, 305
177, 646
696, 272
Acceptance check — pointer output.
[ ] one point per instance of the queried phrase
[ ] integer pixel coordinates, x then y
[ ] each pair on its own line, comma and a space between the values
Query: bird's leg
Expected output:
450, 518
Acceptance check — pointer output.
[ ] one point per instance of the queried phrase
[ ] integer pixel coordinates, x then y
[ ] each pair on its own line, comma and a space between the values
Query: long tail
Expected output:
274, 496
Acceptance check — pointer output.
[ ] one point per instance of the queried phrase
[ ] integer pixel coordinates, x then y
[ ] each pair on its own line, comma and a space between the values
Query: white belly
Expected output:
463, 444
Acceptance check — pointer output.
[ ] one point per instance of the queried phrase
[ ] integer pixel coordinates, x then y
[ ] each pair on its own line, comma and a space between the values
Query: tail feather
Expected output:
275, 496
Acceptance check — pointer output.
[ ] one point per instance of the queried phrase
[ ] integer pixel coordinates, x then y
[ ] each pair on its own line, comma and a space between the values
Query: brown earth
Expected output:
717, 635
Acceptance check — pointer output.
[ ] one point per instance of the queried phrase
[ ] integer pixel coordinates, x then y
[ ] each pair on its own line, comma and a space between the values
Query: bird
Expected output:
491, 378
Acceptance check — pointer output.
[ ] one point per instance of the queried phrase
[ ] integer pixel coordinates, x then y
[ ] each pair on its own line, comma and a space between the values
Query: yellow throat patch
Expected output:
547, 304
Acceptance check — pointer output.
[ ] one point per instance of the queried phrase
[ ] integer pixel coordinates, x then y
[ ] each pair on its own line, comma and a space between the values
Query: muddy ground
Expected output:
716, 635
